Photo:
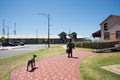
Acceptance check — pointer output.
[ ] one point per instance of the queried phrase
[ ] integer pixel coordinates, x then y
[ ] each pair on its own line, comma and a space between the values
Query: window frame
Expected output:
106, 35
118, 36
105, 26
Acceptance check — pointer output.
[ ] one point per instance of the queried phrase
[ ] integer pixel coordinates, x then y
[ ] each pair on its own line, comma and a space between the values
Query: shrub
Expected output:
95, 45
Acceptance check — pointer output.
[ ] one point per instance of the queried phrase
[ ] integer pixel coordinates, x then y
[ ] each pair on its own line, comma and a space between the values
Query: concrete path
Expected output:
55, 68
16, 50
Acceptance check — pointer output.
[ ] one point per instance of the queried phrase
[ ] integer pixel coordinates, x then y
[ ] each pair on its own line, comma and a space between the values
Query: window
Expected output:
106, 26
107, 35
117, 34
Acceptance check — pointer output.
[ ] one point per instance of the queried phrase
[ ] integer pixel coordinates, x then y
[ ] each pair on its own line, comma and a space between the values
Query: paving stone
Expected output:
59, 67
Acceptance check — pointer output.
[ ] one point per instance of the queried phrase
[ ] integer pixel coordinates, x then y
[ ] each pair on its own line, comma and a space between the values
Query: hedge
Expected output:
95, 45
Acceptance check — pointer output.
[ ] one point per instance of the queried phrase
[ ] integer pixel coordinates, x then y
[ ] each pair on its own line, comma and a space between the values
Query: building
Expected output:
110, 29
36, 39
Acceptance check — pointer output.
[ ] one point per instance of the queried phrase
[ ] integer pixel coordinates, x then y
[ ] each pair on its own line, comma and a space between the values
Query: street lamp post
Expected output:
48, 16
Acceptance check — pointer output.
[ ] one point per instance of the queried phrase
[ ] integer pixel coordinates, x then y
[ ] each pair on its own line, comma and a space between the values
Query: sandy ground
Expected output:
113, 68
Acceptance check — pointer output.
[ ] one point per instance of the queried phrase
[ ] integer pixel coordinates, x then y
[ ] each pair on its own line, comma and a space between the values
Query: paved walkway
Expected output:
55, 68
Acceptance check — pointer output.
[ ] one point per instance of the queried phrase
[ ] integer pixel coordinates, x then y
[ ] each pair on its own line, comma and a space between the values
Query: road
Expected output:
20, 50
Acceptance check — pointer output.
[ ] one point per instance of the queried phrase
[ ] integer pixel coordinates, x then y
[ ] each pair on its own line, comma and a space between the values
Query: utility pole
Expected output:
3, 26
8, 34
15, 29
36, 36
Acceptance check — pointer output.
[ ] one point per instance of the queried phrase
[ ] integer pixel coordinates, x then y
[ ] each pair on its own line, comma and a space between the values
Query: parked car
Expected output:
19, 43
7, 44
22, 44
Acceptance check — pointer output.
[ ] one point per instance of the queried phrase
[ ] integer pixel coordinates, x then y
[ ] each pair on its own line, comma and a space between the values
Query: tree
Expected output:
62, 36
73, 36
3, 39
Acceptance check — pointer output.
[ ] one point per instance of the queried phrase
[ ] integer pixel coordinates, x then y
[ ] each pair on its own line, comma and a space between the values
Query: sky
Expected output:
80, 16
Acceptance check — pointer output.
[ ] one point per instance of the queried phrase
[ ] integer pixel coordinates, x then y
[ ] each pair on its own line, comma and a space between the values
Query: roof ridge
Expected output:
109, 17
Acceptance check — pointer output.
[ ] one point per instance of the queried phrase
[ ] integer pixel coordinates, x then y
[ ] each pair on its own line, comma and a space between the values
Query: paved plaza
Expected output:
59, 67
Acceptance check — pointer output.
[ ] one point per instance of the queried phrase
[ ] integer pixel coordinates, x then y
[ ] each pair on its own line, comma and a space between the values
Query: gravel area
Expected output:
113, 68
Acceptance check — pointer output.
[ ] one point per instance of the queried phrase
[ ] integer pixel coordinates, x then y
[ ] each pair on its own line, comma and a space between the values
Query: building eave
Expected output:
97, 34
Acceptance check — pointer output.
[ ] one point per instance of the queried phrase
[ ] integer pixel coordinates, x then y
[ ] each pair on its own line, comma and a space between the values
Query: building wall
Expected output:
35, 41
39, 41
113, 37
32, 39
113, 26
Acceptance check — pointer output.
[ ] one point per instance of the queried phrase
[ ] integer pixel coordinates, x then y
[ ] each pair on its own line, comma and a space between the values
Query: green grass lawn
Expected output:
90, 67
10, 63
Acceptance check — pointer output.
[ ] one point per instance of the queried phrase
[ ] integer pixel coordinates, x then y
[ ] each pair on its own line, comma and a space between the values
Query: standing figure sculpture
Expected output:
70, 46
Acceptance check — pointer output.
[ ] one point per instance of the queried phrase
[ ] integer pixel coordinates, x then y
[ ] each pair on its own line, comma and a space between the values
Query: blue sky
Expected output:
80, 16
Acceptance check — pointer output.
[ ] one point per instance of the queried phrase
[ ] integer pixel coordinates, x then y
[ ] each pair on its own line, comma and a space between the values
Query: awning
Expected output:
97, 33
